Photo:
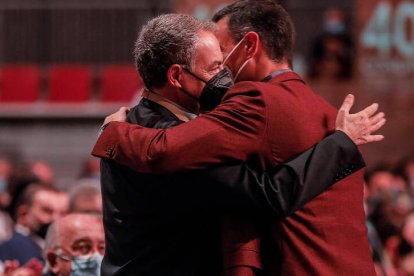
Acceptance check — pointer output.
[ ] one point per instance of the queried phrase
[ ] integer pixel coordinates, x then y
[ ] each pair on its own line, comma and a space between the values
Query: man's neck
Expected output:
174, 108
179, 98
25, 231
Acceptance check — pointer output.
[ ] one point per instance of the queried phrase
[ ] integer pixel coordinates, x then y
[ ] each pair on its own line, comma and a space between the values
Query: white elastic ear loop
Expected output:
240, 70
232, 51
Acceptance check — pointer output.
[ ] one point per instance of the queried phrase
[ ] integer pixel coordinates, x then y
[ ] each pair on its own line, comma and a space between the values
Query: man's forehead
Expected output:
208, 48
91, 233
207, 38
81, 230
44, 196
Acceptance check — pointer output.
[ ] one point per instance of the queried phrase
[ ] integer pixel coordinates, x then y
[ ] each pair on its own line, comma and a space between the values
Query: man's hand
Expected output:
119, 116
360, 126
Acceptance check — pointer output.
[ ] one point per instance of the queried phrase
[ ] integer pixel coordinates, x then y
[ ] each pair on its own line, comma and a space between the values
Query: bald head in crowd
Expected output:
75, 245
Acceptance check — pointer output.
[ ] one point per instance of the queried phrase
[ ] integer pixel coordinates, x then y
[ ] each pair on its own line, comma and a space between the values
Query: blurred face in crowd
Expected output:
408, 230
5, 168
406, 266
384, 181
79, 247
409, 171
88, 203
335, 21
47, 206
43, 172
92, 168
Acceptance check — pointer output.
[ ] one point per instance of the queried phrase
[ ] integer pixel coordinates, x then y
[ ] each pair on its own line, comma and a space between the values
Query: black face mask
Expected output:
41, 232
214, 89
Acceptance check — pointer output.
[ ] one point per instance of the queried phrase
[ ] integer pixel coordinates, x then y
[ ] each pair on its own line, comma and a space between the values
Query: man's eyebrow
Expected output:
82, 239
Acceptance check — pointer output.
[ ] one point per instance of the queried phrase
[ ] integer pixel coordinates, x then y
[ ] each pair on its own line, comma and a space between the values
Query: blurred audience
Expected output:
43, 172
86, 197
390, 217
406, 170
28, 194
406, 252
6, 227
91, 169
5, 173
75, 246
333, 50
36, 208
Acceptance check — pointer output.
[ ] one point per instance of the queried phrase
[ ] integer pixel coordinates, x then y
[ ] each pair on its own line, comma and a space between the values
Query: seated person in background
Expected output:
42, 171
85, 197
37, 207
74, 246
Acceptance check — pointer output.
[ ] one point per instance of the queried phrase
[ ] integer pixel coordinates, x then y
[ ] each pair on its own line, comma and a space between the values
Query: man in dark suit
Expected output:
178, 79
141, 238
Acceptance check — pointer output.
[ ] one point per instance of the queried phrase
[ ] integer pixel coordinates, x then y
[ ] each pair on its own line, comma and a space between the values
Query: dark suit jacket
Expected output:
153, 224
264, 124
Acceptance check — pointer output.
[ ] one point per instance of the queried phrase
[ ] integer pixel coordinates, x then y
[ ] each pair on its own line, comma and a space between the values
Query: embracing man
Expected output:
267, 118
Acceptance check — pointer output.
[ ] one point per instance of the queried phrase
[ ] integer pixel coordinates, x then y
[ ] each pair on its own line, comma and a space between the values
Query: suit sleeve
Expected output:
288, 187
234, 131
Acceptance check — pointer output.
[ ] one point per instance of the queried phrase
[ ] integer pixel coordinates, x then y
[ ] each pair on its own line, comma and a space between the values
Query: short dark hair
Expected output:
266, 18
29, 193
166, 40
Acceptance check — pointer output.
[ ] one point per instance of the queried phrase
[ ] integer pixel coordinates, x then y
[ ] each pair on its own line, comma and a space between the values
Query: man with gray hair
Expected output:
161, 225
74, 246
85, 197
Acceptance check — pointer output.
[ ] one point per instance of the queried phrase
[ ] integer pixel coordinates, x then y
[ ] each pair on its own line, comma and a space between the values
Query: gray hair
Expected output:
87, 188
166, 40
52, 238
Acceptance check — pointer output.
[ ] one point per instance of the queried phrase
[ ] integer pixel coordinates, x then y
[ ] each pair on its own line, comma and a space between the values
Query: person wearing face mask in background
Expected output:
333, 50
36, 208
74, 246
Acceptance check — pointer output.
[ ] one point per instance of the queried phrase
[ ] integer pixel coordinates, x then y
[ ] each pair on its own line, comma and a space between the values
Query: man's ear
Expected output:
174, 75
21, 212
53, 262
252, 43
